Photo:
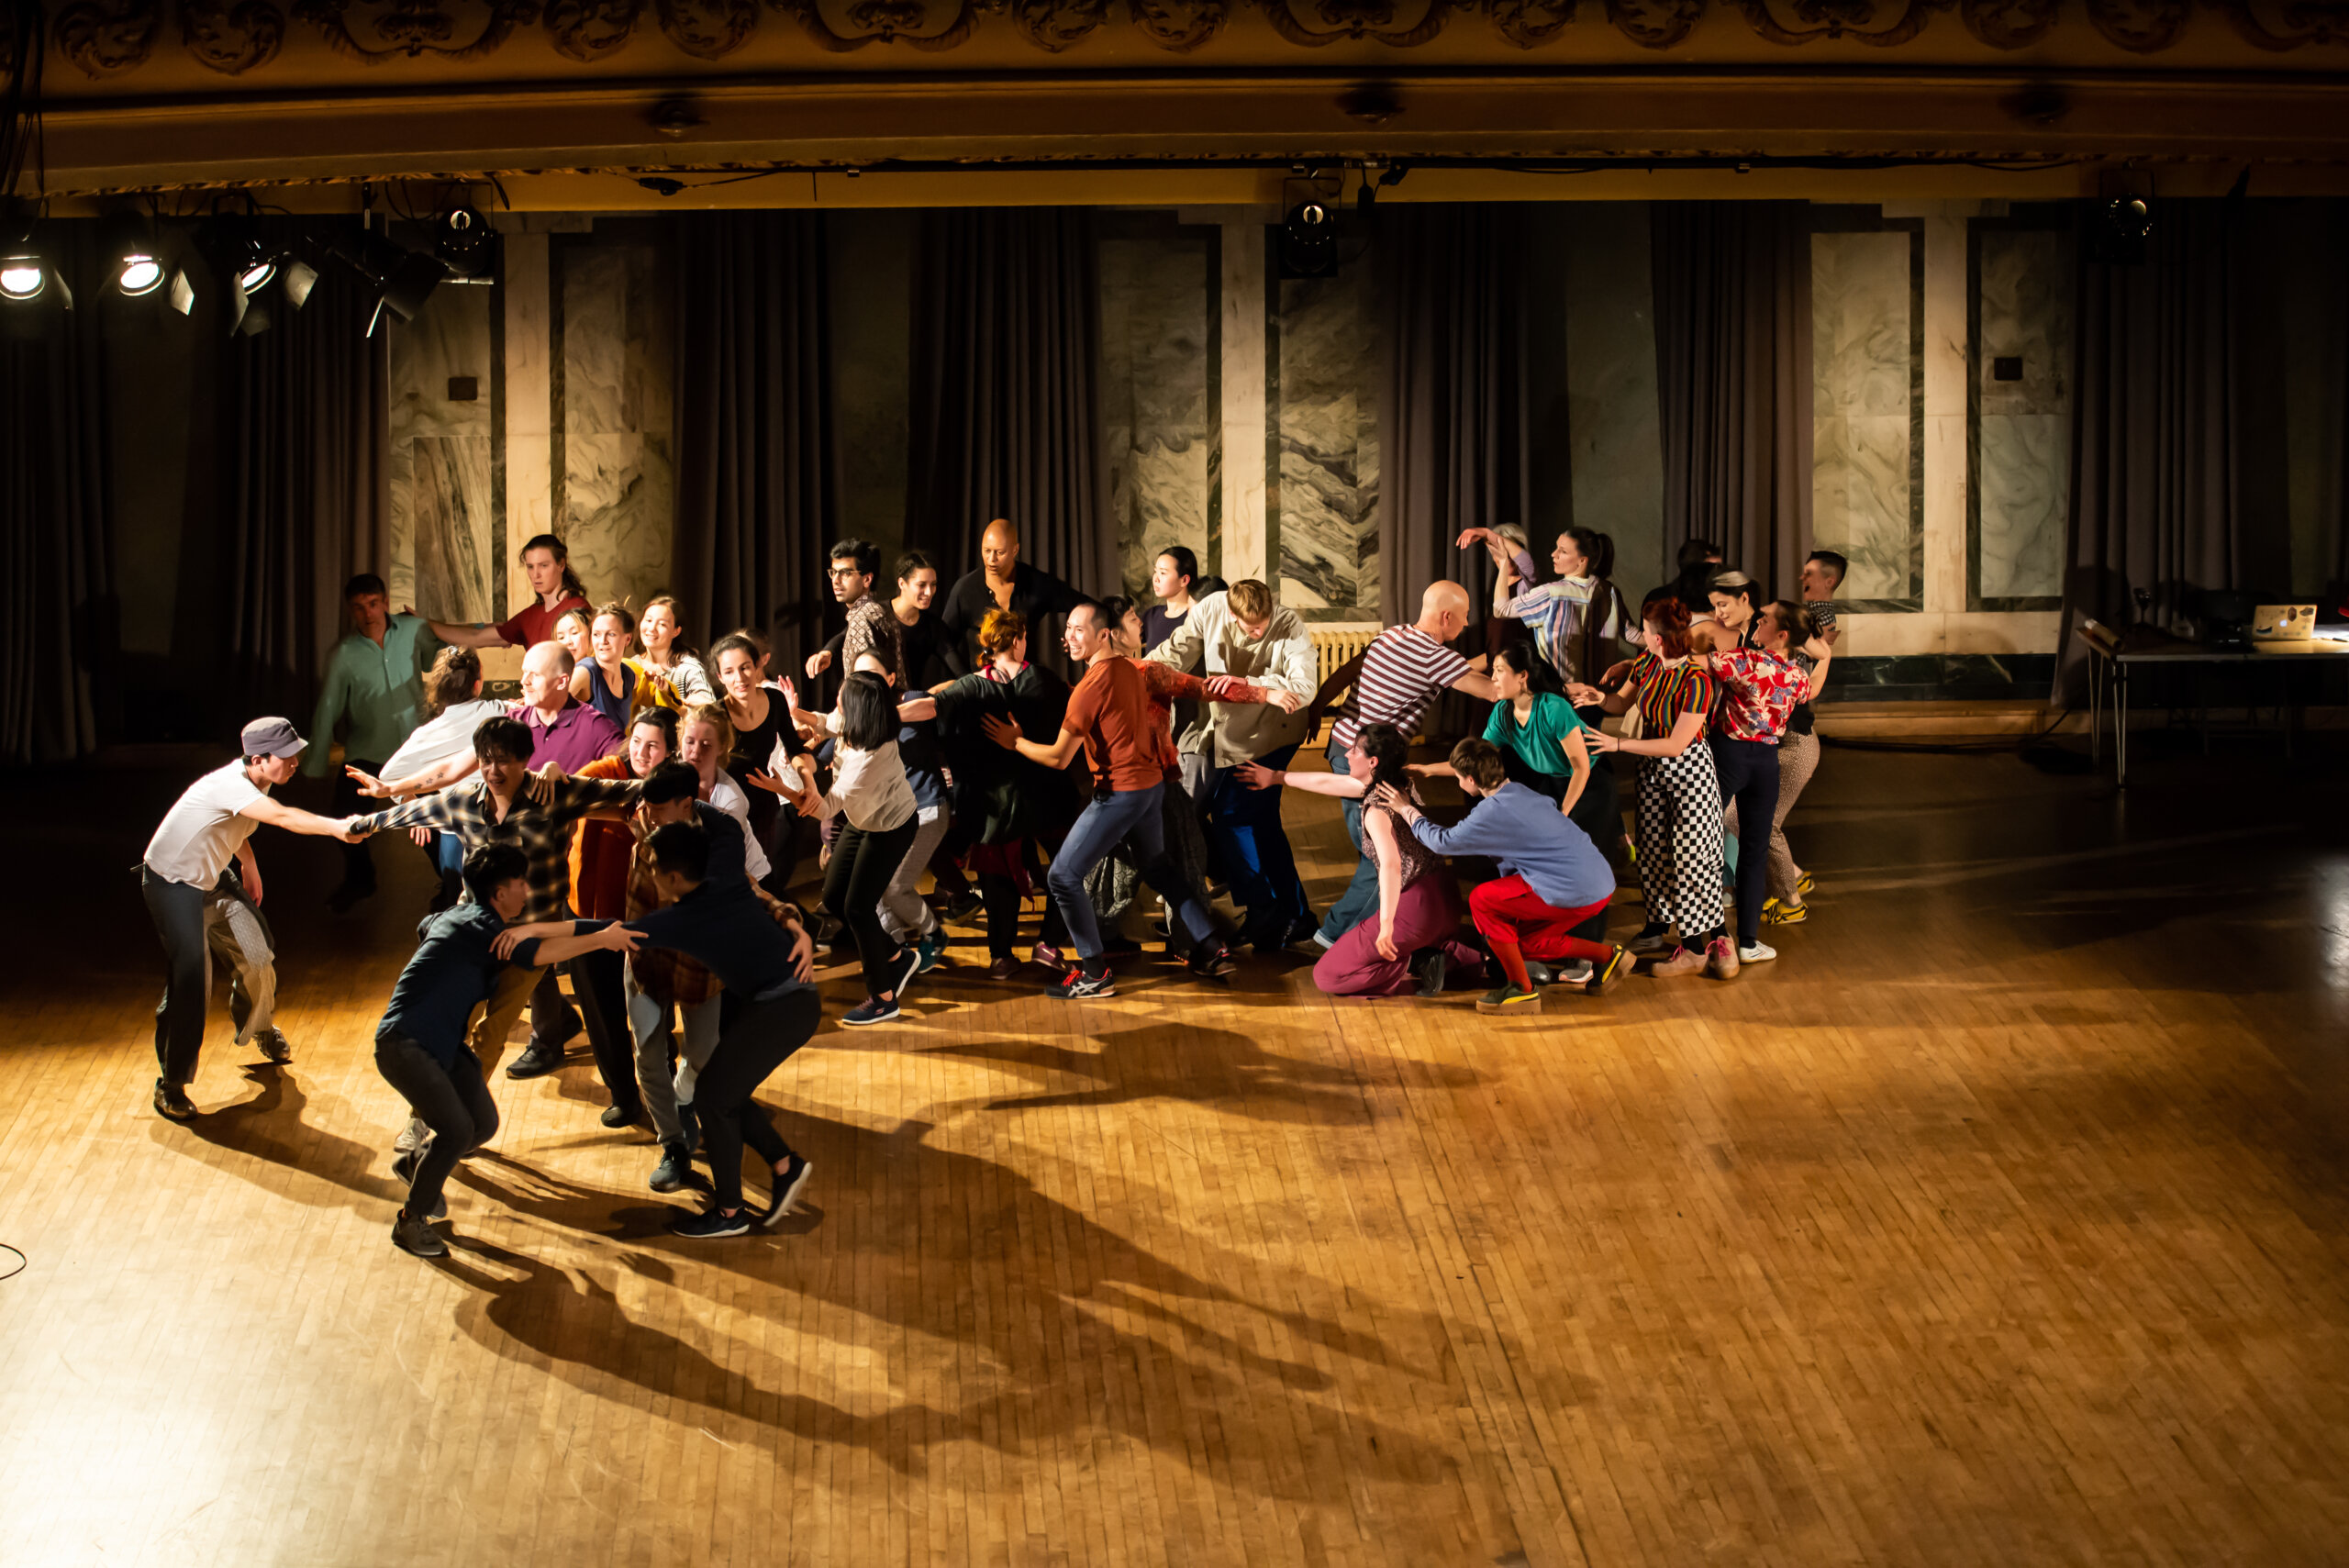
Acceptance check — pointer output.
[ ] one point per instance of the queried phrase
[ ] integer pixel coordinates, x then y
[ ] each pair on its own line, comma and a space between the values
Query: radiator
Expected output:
1332, 649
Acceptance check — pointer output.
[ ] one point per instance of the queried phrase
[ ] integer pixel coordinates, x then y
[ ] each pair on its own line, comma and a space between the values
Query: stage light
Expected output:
465, 243
242, 255
1309, 243
300, 279
140, 274
22, 277
2120, 230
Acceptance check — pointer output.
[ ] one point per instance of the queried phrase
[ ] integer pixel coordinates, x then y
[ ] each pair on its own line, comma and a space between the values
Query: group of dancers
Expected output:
632, 820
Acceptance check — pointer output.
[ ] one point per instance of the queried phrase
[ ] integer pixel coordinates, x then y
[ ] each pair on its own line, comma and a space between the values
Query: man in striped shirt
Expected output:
1405, 667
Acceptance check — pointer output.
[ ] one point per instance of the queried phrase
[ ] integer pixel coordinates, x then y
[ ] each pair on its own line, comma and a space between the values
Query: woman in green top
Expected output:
1540, 735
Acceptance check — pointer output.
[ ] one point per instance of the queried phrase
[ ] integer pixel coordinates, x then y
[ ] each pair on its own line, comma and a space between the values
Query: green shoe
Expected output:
1507, 998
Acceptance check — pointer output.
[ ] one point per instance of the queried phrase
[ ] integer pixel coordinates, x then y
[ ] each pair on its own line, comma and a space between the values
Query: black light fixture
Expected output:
466, 245
134, 255
1308, 240
243, 257
2119, 229
403, 279
24, 277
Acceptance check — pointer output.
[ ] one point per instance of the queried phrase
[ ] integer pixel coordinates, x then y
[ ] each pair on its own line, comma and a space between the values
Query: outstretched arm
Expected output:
1337, 786
294, 819
479, 634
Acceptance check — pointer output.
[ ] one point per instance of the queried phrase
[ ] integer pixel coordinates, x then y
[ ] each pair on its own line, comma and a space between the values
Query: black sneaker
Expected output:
537, 1061
675, 1171
1434, 973
273, 1044
623, 1116
172, 1102
1619, 964
787, 1182
413, 1235
872, 1010
1213, 962
1081, 983
964, 906
711, 1225
404, 1168
907, 966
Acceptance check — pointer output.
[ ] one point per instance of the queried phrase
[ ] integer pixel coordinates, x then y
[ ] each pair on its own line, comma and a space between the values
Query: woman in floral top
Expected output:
1759, 686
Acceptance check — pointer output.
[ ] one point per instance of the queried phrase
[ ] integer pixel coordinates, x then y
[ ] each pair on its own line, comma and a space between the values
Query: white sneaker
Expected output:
1574, 974
1759, 952
1324, 944
411, 1138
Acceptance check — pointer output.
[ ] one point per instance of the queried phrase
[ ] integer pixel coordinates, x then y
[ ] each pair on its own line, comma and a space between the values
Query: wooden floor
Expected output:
2001, 1221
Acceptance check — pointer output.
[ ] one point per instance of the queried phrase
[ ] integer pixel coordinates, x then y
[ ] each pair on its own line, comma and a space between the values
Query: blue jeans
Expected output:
1360, 900
1102, 827
1245, 831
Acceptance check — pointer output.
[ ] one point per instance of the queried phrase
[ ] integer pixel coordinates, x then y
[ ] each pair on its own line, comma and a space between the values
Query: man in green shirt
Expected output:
374, 679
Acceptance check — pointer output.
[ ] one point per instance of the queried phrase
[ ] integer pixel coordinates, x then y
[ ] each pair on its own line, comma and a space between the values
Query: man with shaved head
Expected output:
1005, 581
1403, 670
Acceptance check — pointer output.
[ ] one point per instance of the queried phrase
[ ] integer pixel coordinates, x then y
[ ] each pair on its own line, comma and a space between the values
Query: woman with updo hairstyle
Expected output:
454, 708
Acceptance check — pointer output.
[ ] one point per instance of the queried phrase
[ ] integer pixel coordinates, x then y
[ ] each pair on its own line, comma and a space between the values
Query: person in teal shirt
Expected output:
374, 679
1541, 737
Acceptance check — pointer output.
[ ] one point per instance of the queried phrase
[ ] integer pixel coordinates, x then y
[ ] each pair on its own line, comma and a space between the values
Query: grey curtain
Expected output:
1005, 419
56, 572
755, 485
1733, 351
1454, 433
305, 416
2157, 470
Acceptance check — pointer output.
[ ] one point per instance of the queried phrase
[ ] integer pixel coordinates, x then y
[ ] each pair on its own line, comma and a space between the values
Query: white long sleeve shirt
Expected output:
1283, 658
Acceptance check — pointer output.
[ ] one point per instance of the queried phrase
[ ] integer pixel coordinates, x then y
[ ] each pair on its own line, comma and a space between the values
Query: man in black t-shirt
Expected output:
1004, 581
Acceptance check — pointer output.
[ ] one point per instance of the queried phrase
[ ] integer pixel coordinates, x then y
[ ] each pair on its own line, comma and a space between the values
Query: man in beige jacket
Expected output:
1242, 633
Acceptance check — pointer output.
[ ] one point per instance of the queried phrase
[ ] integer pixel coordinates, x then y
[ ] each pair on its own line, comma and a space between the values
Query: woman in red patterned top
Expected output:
1759, 690
1678, 798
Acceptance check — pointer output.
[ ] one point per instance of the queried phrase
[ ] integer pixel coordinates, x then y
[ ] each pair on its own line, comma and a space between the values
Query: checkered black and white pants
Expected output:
1677, 809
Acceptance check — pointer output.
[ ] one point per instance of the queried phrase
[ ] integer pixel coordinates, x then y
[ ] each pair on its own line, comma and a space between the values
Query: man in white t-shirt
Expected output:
200, 909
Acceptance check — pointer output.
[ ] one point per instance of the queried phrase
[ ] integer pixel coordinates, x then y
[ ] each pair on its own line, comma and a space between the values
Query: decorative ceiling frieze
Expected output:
104, 38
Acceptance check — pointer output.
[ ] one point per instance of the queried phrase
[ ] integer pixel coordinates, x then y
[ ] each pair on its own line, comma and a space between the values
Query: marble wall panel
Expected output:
1159, 426
443, 518
1863, 410
2022, 439
1326, 438
448, 483
612, 400
1860, 485
2022, 473
1241, 369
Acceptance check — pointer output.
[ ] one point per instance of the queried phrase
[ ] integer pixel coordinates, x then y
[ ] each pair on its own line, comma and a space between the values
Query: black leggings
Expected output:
862, 865
595, 979
754, 1039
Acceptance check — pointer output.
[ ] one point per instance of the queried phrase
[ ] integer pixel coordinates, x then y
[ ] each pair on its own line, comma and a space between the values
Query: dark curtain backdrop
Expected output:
1004, 416
1453, 422
753, 430
2156, 467
304, 501
57, 598
1733, 361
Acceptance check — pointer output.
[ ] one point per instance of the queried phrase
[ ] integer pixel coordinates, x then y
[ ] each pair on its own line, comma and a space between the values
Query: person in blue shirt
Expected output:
1552, 878
767, 1011
420, 1046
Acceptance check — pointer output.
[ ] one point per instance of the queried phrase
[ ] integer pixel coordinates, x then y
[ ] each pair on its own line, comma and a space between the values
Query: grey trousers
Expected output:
648, 1022
904, 916
1797, 759
196, 923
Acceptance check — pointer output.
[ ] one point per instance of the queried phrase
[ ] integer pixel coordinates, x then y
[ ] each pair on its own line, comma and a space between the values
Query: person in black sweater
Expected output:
768, 1010
420, 1045
1005, 581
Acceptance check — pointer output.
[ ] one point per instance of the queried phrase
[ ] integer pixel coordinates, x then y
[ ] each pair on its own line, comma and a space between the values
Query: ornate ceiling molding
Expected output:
106, 38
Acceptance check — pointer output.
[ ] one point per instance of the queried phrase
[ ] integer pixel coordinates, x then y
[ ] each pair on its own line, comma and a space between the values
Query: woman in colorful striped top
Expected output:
1678, 802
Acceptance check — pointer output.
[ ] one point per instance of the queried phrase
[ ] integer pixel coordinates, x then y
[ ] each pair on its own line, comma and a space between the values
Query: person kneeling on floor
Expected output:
1552, 877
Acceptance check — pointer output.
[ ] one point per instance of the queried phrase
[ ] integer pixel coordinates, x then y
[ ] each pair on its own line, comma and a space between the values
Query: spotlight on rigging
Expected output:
466, 245
1309, 244
2120, 229
23, 278
134, 255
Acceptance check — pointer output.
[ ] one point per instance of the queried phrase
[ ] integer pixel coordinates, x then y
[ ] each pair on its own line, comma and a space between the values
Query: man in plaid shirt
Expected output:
495, 807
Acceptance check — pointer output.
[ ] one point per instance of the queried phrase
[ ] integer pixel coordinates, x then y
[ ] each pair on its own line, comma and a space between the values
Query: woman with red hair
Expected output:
1678, 798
